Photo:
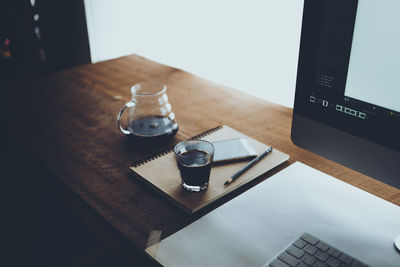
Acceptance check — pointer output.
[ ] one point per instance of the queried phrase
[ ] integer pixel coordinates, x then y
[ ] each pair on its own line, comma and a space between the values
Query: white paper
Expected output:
256, 226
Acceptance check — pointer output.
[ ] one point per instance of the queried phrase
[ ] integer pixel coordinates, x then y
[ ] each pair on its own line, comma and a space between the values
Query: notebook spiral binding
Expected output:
170, 149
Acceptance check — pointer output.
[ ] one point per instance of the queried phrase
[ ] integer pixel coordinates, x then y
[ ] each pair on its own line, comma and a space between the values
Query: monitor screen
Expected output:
373, 76
349, 80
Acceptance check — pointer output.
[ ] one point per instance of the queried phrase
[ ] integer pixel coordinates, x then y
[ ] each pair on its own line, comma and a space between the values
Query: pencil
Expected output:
248, 166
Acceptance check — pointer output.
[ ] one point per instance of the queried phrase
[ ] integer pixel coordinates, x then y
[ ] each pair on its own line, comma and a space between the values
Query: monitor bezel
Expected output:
348, 147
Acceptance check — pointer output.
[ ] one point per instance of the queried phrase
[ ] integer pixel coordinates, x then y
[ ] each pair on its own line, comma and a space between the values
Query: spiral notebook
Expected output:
161, 171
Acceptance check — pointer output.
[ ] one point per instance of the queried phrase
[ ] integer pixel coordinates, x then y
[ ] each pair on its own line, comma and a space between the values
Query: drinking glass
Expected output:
194, 159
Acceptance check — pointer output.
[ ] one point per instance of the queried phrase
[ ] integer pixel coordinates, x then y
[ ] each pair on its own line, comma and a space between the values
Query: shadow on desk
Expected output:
46, 224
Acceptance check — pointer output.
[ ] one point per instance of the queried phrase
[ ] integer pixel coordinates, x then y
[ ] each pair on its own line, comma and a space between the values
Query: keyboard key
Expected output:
346, 258
334, 252
302, 253
323, 246
278, 263
309, 238
300, 243
298, 253
308, 259
310, 249
322, 256
332, 262
288, 259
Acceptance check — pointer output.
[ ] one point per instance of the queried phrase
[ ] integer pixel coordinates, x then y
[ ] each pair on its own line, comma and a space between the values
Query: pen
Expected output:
248, 166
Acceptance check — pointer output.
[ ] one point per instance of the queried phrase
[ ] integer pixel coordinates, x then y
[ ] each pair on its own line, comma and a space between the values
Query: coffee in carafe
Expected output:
150, 114
153, 127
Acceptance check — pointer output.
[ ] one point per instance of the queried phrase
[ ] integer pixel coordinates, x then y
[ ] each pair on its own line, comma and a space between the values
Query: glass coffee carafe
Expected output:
150, 115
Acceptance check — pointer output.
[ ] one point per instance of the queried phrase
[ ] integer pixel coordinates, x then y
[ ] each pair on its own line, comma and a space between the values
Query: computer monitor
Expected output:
347, 103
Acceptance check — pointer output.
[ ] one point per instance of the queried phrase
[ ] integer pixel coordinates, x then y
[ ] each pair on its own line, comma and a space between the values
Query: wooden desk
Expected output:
71, 117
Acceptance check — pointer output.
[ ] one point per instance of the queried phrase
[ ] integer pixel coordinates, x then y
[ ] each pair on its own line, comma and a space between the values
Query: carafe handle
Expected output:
127, 105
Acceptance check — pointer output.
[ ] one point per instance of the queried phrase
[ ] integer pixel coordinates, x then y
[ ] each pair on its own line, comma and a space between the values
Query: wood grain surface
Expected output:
69, 118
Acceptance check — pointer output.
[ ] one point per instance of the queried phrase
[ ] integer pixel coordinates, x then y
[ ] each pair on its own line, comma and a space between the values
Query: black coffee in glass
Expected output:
194, 159
196, 170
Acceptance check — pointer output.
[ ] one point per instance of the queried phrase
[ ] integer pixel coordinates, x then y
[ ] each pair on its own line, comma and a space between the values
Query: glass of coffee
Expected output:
194, 159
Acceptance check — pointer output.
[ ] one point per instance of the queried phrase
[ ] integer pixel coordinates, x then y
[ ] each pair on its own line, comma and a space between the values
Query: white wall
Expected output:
248, 45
